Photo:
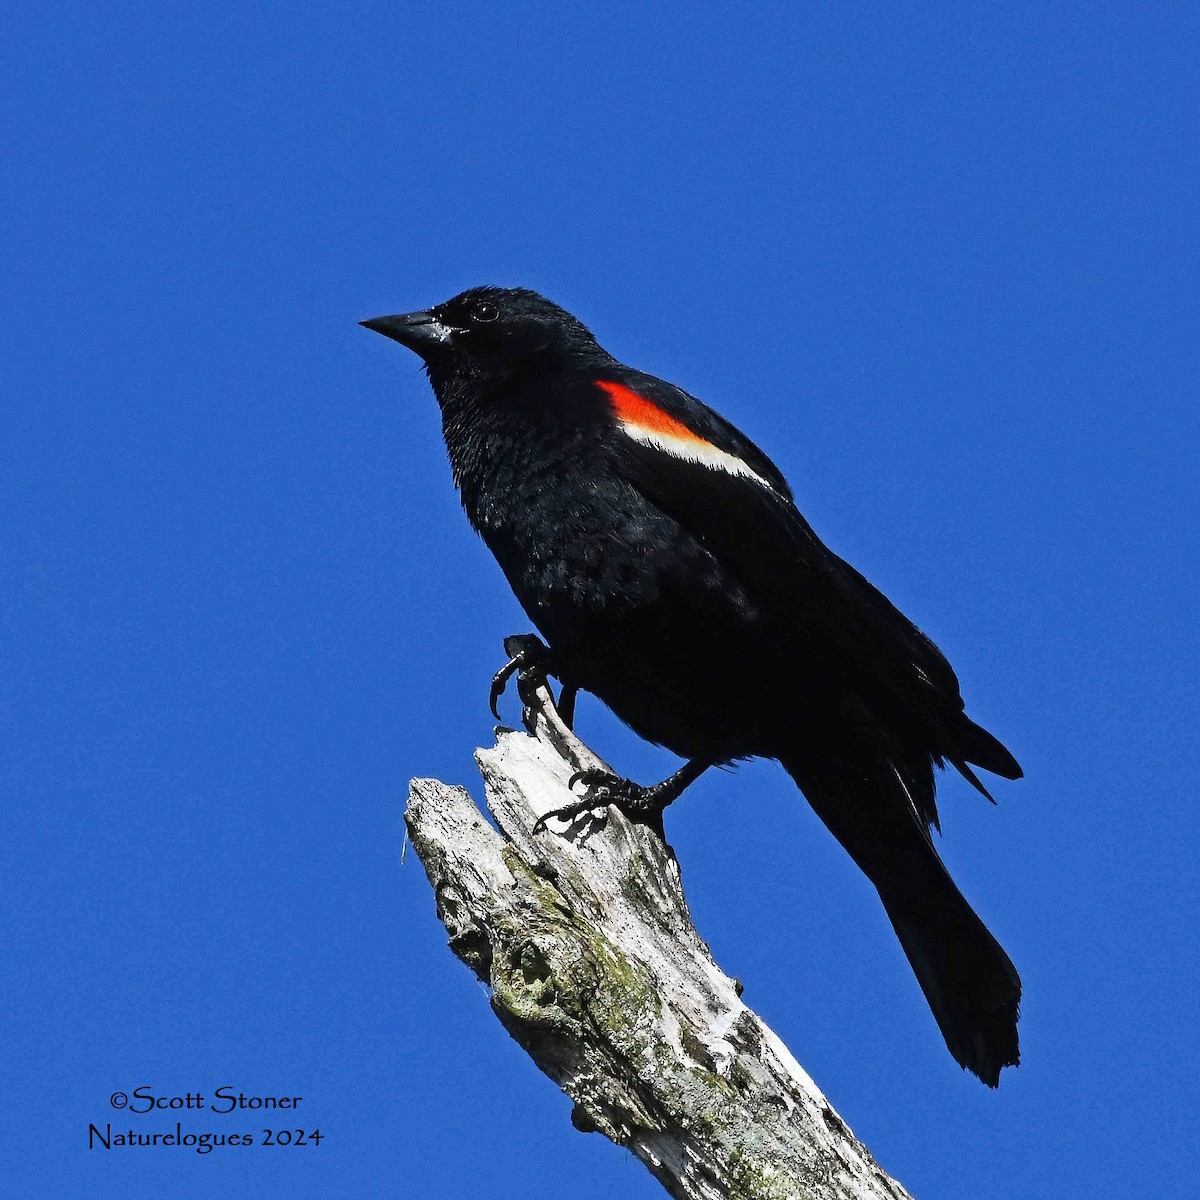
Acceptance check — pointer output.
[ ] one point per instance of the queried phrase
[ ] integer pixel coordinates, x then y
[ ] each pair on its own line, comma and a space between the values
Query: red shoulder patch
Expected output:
633, 409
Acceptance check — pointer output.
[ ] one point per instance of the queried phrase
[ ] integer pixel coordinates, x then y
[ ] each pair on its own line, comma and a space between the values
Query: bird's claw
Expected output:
568, 812
529, 661
602, 790
500, 682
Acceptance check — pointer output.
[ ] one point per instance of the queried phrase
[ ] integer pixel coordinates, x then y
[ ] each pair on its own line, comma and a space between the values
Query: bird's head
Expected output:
489, 332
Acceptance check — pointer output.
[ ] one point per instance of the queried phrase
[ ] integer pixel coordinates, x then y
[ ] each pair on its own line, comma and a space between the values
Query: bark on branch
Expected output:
585, 940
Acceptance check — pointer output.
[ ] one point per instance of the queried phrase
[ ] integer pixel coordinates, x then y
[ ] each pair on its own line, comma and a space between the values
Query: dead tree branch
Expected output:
595, 969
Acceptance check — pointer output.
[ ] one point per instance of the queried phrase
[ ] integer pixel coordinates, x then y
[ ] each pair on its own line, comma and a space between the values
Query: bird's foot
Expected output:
602, 790
529, 661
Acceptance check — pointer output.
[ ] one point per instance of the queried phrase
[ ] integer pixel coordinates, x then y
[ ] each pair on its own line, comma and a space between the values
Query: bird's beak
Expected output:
421, 332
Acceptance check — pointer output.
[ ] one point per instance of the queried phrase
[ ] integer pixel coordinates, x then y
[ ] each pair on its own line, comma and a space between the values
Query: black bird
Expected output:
661, 555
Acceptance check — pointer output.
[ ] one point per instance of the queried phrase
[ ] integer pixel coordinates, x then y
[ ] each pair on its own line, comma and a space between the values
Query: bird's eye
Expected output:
485, 311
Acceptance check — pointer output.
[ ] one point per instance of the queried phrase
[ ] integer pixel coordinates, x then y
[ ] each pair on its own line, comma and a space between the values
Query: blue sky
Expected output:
940, 262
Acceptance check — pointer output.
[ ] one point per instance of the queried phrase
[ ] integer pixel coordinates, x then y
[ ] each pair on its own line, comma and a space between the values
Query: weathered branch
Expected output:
584, 937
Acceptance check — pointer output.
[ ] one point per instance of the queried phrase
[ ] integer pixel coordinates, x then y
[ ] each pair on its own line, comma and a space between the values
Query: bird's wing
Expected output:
710, 478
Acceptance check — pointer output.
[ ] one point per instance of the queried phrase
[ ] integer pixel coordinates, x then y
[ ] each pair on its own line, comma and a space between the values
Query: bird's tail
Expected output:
971, 985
